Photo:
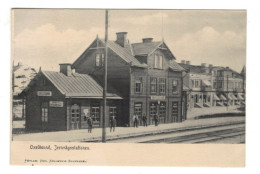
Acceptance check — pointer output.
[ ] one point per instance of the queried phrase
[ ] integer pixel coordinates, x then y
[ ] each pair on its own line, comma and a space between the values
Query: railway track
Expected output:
210, 134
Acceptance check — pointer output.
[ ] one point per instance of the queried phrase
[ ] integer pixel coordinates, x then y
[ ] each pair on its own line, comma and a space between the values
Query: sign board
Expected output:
56, 104
44, 93
157, 97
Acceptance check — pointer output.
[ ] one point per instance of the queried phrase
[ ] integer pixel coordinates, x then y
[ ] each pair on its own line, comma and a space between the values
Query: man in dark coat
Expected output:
90, 124
145, 120
112, 124
156, 120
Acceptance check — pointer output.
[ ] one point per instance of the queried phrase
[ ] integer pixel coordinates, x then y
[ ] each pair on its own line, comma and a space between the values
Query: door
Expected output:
75, 116
112, 113
95, 114
153, 112
162, 112
45, 115
174, 111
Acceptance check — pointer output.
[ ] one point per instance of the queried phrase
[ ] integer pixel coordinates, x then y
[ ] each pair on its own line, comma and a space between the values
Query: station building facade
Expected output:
145, 74
63, 100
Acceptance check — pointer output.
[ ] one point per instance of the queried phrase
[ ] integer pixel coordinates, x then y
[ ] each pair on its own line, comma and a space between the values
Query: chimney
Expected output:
183, 61
203, 65
147, 40
65, 68
188, 62
121, 38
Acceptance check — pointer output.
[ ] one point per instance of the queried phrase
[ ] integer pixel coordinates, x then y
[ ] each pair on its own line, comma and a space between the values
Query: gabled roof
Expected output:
192, 68
243, 70
145, 48
77, 85
123, 53
175, 66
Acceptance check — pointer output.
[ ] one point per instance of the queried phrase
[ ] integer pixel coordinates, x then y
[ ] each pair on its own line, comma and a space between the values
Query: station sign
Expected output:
56, 104
158, 97
44, 93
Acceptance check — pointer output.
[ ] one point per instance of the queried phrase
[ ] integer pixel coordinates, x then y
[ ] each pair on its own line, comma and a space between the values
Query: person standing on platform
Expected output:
112, 124
156, 120
145, 120
90, 124
135, 119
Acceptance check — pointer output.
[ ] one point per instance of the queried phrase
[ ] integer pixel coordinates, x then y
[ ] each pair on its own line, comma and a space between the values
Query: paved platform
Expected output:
83, 135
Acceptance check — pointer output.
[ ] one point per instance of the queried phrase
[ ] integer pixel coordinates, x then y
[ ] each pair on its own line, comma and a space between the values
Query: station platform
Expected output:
82, 135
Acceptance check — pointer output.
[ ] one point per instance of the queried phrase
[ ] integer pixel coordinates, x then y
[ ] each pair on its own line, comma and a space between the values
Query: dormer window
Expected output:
100, 59
158, 61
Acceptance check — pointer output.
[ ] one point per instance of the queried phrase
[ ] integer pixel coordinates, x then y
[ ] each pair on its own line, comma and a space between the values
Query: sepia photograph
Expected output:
148, 77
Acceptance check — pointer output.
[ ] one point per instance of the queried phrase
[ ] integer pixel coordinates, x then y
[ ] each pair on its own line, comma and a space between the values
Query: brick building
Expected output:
145, 74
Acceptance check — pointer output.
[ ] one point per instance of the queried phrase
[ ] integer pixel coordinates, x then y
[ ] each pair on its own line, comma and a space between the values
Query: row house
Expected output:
145, 74
212, 86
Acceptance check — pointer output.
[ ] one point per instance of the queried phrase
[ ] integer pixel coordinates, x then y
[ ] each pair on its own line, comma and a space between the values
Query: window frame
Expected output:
162, 83
45, 112
153, 84
141, 84
175, 87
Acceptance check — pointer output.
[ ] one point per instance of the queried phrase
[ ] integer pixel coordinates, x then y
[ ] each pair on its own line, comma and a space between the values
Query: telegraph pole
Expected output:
105, 83
227, 93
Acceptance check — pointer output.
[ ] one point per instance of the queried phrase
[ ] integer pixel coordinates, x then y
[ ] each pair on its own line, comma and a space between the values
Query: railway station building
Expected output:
63, 100
145, 74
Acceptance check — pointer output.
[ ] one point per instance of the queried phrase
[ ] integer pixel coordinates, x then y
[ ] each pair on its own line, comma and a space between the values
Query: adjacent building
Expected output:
212, 86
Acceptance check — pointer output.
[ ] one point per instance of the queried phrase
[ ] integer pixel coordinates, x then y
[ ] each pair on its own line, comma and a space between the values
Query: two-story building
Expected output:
212, 85
145, 74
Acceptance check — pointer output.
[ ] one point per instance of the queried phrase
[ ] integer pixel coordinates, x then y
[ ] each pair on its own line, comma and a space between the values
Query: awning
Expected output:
222, 97
240, 96
206, 83
233, 96
215, 97
230, 97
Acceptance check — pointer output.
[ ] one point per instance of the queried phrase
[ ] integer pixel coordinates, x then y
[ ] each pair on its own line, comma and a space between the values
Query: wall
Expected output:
56, 116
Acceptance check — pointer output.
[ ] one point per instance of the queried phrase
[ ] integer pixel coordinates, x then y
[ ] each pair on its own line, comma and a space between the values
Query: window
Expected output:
156, 57
112, 111
95, 113
45, 112
158, 61
100, 59
162, 112
162, 85
197, 83
153, 85
174, 86
214, 84
74, 113
192, 83
138, 109
138, 85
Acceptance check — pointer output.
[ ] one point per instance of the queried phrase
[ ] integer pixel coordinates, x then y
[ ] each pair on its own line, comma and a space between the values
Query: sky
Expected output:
47, 37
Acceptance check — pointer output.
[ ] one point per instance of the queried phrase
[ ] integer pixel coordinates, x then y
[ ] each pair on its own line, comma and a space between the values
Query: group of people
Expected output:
144, 120
90, 123
113, 122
